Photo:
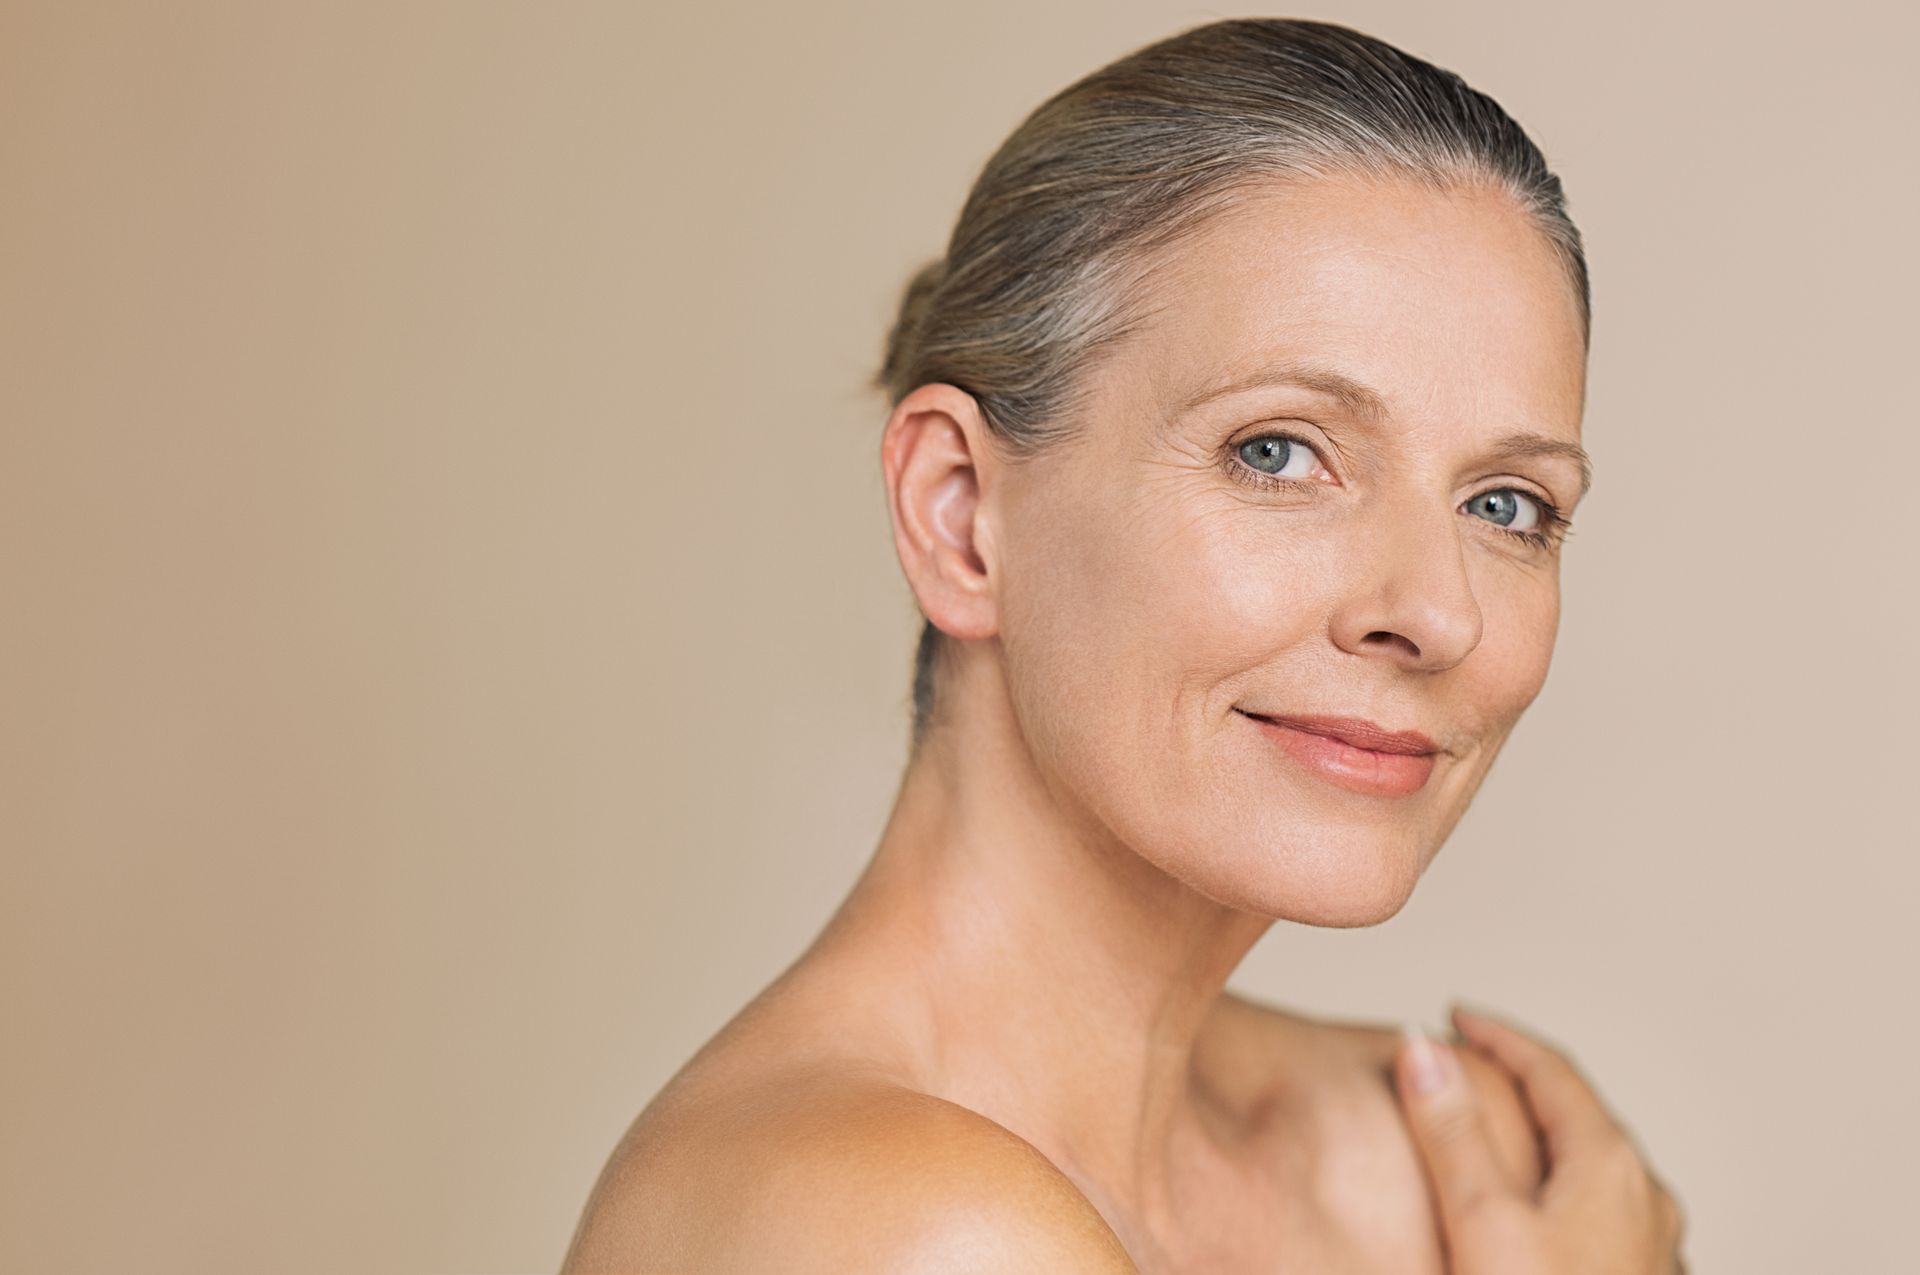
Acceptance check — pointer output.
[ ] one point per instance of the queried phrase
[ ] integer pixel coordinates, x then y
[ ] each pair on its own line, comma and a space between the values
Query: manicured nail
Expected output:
1429, 1072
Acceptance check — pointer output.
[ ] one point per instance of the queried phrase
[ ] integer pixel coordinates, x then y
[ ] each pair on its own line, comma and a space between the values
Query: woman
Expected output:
1232, 448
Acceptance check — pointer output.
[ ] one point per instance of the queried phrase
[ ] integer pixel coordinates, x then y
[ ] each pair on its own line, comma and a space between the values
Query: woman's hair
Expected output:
1044, 264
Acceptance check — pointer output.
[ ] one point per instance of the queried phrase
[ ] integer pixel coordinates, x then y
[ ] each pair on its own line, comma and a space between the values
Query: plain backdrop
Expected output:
453, 653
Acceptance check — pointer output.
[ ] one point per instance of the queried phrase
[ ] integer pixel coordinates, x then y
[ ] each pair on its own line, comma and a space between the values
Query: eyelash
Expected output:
1554, 530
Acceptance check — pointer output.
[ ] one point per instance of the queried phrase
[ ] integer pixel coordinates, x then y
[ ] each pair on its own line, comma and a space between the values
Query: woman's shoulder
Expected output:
1349, 1066
823, 1167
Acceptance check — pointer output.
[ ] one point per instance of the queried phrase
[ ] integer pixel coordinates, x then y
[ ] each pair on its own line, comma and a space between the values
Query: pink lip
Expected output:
1355, 754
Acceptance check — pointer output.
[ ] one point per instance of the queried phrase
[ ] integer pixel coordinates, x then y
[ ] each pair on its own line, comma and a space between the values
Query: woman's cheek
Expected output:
1516, 647
1246, 587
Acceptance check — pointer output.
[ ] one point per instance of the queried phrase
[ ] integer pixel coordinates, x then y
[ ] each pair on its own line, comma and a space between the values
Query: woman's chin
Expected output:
1346, 910
1343, 889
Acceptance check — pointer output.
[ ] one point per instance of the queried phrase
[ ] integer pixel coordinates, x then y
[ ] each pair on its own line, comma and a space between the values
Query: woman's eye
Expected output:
1279, 456
1508, 508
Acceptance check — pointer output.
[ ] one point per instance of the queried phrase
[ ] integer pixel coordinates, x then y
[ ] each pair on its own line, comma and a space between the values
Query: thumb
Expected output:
1447, 1126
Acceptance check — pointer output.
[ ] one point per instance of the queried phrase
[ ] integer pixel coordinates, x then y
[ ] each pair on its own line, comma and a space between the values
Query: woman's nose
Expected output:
1410, 598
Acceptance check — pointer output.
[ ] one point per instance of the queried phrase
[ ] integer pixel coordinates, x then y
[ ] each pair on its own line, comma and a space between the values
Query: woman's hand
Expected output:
1599, 1209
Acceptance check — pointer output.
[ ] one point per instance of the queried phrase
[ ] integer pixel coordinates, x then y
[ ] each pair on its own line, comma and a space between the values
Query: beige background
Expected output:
454, 653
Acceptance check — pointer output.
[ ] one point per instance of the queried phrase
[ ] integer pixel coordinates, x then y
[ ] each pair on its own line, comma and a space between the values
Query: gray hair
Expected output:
1039, 273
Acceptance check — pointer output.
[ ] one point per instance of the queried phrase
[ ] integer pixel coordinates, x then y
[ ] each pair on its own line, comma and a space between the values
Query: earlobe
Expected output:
931, 464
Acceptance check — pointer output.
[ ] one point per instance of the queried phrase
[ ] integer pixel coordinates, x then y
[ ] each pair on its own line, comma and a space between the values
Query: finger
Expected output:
1448, 1128
1564, 1104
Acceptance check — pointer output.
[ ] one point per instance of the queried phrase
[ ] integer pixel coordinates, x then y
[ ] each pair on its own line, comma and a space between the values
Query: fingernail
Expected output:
1476, 1014
1430, 1072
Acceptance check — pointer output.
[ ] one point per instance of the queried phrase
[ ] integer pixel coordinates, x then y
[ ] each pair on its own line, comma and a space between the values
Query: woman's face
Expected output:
1318, 482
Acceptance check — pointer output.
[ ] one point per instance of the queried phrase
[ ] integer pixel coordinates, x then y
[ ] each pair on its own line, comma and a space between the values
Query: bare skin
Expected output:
777, 1151
1011, 1048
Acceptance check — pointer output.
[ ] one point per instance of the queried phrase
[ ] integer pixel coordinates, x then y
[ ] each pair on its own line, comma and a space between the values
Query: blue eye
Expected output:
1522, 514
1278, 456
1275, 461
1508, 508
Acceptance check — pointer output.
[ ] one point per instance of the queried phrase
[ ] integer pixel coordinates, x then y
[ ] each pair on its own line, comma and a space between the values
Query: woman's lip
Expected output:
1359, 732
1373, 771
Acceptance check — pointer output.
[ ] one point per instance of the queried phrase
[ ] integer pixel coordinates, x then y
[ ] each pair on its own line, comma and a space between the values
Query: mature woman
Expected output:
1232, 447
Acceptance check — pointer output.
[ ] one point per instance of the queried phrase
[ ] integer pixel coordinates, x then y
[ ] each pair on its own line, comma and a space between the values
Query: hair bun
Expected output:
914, 305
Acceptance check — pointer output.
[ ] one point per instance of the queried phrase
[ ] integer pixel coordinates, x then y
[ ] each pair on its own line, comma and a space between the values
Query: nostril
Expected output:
1381, 637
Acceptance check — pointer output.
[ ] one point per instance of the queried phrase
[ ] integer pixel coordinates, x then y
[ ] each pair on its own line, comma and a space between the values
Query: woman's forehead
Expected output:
1382, 293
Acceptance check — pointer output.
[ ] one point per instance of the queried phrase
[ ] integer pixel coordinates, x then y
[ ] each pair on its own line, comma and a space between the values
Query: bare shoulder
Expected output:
825, 1171
1365, 1051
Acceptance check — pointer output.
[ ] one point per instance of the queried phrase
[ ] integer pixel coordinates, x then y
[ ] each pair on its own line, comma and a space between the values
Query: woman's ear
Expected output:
936, 461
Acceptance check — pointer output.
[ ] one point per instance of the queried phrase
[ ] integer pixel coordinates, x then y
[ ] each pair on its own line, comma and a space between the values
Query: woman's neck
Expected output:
1048, 977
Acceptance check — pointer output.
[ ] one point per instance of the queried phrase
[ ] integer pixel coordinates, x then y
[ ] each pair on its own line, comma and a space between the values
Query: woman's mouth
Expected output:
1352, 753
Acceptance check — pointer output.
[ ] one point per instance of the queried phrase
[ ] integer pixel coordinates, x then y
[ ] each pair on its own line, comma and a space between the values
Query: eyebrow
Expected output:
1366, 403
1359, 400
1541, 445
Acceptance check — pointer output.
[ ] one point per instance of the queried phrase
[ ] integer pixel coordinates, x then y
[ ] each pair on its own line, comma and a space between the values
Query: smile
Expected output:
1353, 754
